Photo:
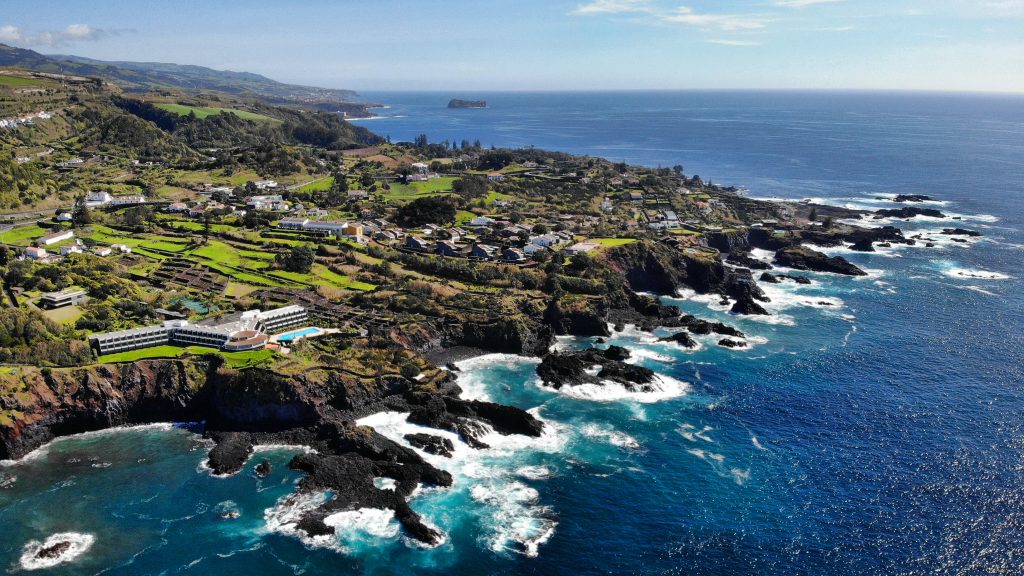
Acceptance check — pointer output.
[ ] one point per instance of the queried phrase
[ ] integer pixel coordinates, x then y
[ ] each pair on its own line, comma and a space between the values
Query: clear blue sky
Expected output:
553, 44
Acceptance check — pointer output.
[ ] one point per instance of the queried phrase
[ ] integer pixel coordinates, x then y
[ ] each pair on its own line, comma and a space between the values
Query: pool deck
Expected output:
319, 332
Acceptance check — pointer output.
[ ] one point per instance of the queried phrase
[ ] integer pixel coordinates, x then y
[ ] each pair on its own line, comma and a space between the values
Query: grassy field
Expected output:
204, 111
612, 242
21, 81
320, 185
493, 196
234, 359
321, 275
23, 235
65, 315
408, 192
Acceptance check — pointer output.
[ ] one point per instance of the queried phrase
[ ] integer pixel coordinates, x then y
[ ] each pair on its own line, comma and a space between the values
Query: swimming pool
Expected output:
297, 334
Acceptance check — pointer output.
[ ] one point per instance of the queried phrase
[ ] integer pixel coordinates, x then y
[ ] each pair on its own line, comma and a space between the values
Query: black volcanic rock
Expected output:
748, 307
746, 260
682, 338
960, 232
626, 373
231, 452
616, 353
571, 369
908, 198
728, 343
263, 469
864, 245
908, 212
704, 327
803, 258
432, 444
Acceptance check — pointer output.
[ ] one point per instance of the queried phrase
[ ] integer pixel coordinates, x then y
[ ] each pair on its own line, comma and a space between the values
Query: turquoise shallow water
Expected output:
872, 428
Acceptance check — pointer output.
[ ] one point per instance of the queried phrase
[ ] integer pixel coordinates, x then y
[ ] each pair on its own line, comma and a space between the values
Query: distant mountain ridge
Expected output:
144, 76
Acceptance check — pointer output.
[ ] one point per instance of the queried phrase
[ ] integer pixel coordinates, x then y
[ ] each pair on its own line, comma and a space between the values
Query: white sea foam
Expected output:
290, 447
712, 301
740, 476
638, 354
77, 545
284, 517
975, 274
690, 432
707, 456
354, 524
608, 434
757, 443
471, 372
534, 472
886, 252
661, 388
514, 520
633, 333
524, 526
384, 483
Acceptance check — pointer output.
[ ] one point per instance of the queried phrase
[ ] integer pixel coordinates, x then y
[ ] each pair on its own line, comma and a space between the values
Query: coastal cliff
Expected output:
242, 409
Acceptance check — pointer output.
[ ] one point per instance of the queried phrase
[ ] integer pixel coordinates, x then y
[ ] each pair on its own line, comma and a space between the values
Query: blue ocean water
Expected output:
874, 427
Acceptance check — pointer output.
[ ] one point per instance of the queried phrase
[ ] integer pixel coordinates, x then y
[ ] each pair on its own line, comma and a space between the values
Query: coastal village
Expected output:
369, 238
172, 256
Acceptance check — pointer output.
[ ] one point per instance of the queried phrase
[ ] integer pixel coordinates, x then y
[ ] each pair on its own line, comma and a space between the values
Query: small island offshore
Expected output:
456, 103
280, 276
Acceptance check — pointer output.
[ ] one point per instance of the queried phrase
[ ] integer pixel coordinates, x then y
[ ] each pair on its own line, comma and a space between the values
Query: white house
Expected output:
56, 237
33, 253
128, 199
331, 226
102, 251
293, 223
64, 217
122, 248
480, 221
264, 184
70, 249
98, 198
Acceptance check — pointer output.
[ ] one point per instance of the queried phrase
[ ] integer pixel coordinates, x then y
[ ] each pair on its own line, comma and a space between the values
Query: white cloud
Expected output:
682, 15
613, 7
734, 42
687, 16
53, 38
802, 3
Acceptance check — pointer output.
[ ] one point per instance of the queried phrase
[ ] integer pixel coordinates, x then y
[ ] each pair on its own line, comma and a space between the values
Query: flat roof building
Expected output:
245, 331
62, 298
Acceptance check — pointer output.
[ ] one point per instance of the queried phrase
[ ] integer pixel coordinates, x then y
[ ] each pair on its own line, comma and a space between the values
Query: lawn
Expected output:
204, 111
463, 217
65, 315
612, 242
221, 253
23, 235
493, 197
234, 359
407, 192
319, 185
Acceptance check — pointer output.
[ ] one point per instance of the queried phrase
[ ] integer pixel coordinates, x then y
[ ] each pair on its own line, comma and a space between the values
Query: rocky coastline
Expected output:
242, 409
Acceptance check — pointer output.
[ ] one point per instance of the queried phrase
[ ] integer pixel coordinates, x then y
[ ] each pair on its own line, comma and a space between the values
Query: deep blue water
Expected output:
878, 434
